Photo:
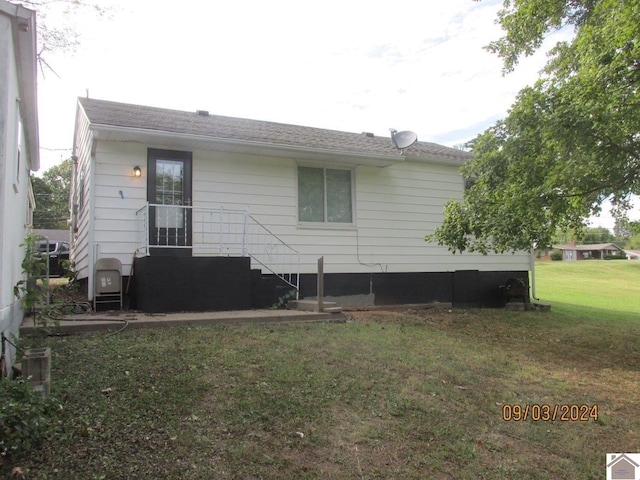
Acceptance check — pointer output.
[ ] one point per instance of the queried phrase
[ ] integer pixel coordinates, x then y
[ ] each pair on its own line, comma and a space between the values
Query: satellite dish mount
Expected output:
402, 140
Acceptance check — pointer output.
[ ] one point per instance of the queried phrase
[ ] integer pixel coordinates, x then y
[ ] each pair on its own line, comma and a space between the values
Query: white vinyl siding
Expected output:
82, 196
18, 150
397, 207
393, 208
14, 177
117, 195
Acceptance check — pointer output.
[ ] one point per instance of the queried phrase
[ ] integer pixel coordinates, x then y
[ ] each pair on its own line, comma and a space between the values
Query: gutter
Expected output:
459, 162
309, 153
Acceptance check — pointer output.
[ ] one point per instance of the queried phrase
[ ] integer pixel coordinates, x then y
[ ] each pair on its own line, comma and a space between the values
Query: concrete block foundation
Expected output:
36, 369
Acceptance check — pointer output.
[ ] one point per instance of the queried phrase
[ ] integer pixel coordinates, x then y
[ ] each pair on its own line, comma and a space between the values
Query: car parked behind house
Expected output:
57, 253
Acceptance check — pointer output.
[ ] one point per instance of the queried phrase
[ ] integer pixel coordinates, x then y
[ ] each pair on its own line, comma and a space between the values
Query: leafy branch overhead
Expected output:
58, 32
568, 143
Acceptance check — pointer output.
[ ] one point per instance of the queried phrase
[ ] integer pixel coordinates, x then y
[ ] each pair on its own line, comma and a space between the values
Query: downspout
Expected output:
91, 246
533, 274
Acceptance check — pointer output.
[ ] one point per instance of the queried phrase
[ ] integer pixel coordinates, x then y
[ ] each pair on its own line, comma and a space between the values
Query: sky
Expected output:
350, 65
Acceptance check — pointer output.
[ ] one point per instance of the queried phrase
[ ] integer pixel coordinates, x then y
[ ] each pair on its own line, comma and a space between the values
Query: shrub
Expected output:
556, 255
283, 301
615, 257
33, 290
26, 418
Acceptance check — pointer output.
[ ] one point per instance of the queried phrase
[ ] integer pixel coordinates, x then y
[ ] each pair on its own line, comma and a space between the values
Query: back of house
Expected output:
211, 212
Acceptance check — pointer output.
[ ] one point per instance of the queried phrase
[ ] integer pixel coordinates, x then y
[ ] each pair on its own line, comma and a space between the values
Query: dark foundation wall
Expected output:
462, 288
472, 288
175, 284
267, 290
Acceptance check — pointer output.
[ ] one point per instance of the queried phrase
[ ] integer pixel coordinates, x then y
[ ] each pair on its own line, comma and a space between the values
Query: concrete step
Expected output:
332, 309
312, 306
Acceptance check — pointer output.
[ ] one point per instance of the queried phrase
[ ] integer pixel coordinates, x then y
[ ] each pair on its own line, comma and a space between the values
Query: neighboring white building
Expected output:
353, 199
18, 156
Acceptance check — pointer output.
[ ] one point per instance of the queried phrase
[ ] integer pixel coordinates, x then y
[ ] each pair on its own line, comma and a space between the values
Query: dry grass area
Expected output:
412, 394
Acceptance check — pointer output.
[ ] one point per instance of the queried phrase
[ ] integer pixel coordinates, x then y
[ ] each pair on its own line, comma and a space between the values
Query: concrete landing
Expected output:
312, 306
113, 321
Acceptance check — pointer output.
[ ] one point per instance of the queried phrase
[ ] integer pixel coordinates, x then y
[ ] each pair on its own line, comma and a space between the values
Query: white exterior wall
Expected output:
396, 207
106, 197
117, 195
81, 200
14, 188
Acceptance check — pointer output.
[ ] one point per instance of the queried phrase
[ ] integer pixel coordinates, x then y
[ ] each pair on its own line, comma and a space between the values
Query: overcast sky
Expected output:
346, 65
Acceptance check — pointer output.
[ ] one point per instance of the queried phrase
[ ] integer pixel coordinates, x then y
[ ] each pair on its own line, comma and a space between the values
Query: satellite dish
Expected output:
402, 140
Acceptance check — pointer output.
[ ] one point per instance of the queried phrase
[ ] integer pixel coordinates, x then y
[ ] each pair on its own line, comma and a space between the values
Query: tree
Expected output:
52, 197
633, 243
597, 235
63, 35
627, 233
568, 142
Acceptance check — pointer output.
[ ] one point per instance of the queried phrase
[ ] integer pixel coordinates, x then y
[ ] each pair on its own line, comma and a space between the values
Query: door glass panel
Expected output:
169, 191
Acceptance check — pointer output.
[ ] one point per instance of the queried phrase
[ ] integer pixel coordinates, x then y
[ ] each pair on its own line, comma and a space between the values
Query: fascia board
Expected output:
119, 133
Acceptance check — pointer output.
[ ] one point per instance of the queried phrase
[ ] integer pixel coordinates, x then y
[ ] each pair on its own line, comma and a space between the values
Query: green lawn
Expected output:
415, 395
601, 287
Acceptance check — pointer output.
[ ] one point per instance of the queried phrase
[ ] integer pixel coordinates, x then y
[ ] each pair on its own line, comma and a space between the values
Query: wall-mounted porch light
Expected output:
137, 171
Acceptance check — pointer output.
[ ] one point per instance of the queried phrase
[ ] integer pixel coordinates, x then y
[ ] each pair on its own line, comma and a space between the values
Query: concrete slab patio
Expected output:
116, 320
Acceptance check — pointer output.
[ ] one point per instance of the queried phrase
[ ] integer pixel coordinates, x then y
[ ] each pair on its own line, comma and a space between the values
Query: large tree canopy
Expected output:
568, 143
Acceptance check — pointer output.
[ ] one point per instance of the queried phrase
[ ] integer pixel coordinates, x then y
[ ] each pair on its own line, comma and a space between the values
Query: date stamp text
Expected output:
549, 413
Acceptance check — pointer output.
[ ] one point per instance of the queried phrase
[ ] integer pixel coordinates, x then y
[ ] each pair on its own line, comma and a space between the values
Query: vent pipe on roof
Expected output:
367, 134
203, 113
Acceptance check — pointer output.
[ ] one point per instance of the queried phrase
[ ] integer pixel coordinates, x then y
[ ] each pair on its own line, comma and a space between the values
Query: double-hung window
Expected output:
325, 195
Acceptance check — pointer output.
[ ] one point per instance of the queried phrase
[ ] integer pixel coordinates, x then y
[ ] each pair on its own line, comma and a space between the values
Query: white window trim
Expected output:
329, 225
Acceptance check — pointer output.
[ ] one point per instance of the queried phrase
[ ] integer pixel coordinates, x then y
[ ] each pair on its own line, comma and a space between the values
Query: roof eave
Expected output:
204, 142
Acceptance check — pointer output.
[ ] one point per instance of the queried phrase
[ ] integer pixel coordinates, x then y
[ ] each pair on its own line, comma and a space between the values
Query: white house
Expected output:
18, 155
632, 254
176, 190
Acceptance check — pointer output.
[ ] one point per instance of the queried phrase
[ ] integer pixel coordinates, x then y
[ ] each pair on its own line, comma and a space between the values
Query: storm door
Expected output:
169, 196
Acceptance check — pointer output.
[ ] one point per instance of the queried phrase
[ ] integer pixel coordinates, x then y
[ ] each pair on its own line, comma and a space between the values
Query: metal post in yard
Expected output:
320, 284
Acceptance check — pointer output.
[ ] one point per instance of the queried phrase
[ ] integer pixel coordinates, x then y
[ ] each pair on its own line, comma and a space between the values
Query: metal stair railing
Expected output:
224, 232
272, 253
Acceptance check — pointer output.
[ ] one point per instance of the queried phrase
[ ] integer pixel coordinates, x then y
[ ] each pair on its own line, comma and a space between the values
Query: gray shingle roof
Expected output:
589, 247
101, 112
